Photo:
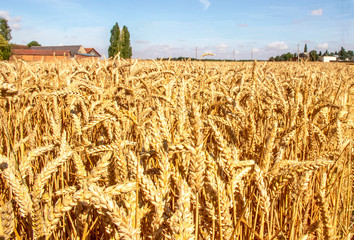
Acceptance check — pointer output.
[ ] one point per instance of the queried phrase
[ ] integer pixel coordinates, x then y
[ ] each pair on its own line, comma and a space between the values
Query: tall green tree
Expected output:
5, 37
126, 49
33, 43
342, 53
5, 29
115, 41
5, 49
313, 55
305, 48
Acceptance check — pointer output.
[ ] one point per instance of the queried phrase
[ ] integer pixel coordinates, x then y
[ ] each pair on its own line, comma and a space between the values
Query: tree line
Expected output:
119, 41
314, 55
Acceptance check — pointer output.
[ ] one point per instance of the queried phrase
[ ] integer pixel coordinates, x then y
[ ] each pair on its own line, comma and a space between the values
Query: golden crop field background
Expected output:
176, 150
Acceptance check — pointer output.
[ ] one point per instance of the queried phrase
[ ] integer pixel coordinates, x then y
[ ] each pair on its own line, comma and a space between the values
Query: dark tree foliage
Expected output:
284, 57
120, 42
33, 43
126, 49
114, 40
5, 29
5, 37
342, 54
313, 55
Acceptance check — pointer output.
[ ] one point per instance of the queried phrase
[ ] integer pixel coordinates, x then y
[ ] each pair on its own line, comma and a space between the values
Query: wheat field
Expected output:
128, 149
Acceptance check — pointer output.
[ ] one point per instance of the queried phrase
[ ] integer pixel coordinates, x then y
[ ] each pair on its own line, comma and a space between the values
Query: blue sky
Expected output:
167, 28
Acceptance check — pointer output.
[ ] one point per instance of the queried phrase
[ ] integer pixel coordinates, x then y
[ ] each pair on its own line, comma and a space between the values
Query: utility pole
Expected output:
298, 45
196, 52
233, 54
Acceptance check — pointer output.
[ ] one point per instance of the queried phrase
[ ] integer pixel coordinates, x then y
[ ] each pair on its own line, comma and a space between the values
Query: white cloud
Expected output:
220, 50
151, 50
142, 42
317, 12
322, 46
16, 26
5, 15
15, 22
148, 51
221, 47
277, 46
207, 51
206, 3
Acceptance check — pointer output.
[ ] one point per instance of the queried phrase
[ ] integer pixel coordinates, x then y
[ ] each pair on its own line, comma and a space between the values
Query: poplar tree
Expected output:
305, 49
120, 42
114, 40
126, 49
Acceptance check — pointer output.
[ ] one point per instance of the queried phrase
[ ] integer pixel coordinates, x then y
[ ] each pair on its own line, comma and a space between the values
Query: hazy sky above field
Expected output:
164, 28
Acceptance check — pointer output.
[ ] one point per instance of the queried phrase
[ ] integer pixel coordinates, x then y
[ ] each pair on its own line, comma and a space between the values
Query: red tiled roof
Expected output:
72, 48
18, 46
90, 49
40, 52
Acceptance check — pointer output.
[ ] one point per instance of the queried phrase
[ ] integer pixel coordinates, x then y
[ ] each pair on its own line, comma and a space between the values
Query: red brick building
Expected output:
39, 55
47, 53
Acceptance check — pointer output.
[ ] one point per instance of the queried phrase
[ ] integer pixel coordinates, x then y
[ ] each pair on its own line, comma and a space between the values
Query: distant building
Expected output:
327, 59
37, 53
92, 51
74, 49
